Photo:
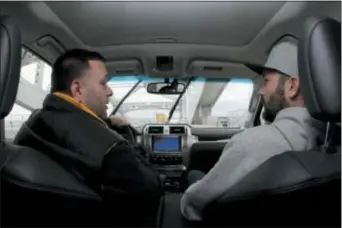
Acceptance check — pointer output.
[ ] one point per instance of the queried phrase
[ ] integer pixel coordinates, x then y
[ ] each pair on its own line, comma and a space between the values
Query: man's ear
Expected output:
76, 89
293, 88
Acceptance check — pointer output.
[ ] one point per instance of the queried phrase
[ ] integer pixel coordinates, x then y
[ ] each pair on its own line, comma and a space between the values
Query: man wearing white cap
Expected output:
291, 128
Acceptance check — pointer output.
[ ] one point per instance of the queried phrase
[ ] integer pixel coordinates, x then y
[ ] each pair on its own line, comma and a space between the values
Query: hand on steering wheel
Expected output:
122, 126
118, 121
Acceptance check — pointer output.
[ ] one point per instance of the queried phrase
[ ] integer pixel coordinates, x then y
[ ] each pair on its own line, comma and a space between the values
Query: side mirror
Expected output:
166, 88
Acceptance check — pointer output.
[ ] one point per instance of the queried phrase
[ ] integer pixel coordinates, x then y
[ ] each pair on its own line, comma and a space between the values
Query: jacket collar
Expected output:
63, 102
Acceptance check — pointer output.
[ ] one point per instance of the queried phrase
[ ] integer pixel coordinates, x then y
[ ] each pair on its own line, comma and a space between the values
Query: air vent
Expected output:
155, 130
177, 130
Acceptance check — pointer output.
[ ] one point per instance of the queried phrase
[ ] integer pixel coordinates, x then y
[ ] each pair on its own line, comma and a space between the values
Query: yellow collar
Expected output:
78, 104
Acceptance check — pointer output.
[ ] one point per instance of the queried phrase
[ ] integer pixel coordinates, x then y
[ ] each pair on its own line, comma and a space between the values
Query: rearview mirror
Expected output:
165, 88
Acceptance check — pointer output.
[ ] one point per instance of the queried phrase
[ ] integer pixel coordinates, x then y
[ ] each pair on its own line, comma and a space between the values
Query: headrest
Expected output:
319, 61
10, 63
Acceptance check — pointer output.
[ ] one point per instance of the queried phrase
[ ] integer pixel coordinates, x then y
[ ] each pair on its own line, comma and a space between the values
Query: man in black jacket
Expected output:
72, 128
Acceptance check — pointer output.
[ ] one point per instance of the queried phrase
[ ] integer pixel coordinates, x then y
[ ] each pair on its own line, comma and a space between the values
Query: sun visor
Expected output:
125, 67
219, 69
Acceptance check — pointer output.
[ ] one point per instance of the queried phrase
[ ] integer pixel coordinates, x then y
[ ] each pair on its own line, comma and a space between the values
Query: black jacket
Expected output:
88, 148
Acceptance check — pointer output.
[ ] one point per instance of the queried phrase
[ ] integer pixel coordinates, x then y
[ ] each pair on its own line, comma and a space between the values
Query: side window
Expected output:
14, 120
231, 108
35, 77
35, 71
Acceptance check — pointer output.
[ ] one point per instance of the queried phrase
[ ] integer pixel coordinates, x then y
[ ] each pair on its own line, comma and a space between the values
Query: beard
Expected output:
276, 102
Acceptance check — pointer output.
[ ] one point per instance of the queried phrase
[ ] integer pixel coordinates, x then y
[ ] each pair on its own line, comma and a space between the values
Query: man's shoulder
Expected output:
260, 136
257, 132
258, 142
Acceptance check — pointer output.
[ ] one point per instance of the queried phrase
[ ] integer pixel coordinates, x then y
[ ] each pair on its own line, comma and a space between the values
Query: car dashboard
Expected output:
167, 147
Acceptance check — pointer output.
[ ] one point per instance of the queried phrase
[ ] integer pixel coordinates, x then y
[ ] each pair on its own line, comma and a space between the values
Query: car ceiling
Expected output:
197, 34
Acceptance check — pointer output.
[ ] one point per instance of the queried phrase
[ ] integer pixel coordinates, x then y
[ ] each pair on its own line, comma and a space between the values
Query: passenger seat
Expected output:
297, 188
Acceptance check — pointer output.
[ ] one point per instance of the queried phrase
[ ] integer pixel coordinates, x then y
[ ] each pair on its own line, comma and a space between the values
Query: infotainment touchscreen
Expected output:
166, 143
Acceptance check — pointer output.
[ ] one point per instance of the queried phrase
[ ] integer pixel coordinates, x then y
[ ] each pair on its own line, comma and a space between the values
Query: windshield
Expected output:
209, 102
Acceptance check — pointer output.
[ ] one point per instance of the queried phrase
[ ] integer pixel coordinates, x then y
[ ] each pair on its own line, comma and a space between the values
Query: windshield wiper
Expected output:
177, 101
125, 97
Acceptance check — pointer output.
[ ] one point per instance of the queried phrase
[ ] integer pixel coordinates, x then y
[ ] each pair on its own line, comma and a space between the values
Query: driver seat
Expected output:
37, 190
297, 188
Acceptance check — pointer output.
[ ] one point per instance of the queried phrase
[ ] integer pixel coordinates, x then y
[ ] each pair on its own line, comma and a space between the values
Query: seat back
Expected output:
297, 188
301, 188
37, 191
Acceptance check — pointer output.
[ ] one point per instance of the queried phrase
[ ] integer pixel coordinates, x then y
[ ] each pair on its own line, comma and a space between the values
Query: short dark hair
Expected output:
69, 66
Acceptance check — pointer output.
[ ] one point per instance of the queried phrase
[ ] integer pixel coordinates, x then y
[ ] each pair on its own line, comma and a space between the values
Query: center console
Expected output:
166, 145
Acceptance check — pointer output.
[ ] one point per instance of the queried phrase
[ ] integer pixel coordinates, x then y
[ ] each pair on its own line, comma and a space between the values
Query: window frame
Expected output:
18, 103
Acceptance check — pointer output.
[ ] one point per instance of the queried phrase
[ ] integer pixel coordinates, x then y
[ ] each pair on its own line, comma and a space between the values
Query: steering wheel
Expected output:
127, 131
133, 133
130, 134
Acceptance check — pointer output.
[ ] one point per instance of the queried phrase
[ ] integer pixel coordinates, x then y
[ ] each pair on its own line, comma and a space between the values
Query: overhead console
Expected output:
165, 66
164, 63
165, 144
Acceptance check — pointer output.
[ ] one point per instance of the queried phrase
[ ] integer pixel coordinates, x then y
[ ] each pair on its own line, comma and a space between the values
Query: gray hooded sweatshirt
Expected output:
293, 129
